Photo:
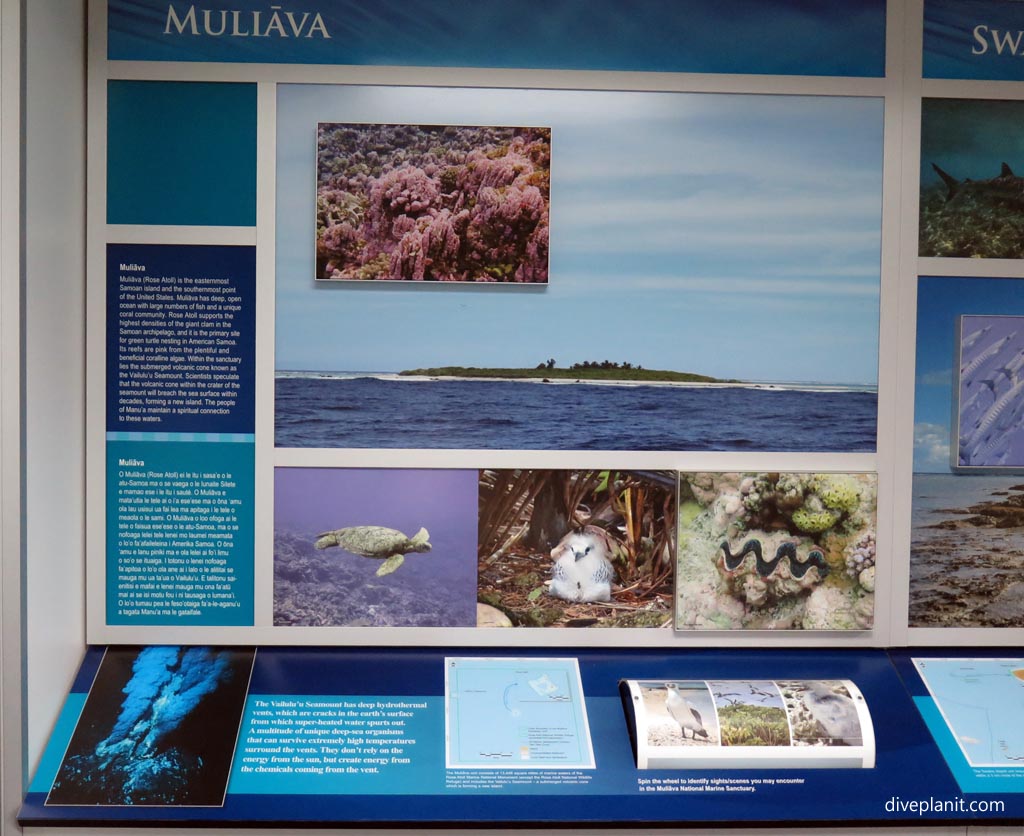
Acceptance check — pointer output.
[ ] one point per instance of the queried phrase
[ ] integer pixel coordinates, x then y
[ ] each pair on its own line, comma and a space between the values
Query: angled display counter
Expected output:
379, 736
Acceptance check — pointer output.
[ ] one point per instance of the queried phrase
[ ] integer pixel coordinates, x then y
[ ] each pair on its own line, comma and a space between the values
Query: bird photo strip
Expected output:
749, 724
576, 548
776, 551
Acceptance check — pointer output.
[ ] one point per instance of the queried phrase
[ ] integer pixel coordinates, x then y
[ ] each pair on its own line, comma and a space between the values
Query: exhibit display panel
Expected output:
389, 736
965, 544
398, 351
461, 404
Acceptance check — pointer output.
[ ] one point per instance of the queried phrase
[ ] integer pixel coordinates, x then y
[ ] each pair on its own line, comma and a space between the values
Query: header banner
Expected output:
783, 37
974, 39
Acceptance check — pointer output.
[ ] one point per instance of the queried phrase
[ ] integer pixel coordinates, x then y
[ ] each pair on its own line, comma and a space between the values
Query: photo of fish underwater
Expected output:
990, 393
972, 197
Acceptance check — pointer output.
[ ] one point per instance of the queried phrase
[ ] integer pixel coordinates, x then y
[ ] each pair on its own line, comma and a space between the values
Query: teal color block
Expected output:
352, 768
161, 536
59, 741
181, 153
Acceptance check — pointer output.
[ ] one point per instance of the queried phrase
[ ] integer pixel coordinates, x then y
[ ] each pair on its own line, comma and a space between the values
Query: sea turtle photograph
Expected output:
374, 548
377, 542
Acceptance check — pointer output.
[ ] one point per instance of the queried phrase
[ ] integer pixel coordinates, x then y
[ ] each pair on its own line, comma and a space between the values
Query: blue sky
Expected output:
940, 301
736, 236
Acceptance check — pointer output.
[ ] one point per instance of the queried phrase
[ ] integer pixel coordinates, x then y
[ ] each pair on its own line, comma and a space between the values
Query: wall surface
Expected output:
54, 294
12, 762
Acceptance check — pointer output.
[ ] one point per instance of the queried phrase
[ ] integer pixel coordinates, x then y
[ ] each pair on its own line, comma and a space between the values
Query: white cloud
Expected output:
731, 285
764, 208
931, 447
942, 377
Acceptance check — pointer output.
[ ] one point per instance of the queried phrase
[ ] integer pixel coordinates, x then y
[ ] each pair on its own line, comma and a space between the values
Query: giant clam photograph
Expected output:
776, 551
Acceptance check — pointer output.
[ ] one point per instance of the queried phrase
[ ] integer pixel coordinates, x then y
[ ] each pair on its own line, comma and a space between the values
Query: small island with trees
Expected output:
587, 370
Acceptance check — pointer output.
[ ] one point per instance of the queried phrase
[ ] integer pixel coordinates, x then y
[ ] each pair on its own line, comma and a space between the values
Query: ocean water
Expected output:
936, 494
328, 411
315, 587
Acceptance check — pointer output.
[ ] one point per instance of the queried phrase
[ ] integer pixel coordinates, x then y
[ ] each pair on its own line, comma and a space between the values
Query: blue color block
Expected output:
181, 153
973, 39
785, 37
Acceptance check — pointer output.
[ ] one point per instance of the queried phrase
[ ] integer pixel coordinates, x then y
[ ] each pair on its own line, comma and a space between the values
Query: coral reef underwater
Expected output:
432, 202
776, 551
973, 218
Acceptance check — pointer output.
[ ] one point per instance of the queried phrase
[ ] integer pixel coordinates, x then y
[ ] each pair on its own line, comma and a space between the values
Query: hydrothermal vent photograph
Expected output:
158, 728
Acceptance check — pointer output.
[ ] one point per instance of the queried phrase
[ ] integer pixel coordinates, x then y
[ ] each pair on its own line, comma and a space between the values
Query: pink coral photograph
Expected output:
444, 203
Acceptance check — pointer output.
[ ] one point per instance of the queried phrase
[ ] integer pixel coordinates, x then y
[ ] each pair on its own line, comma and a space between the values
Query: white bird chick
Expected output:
836, 713
582, 570
683, 712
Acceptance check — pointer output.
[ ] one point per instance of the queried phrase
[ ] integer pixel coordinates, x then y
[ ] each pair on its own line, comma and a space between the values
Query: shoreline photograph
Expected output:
967, 550
729, 304
967, 527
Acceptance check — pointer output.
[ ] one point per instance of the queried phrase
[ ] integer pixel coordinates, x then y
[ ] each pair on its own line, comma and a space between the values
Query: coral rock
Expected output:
814, 522
830, 608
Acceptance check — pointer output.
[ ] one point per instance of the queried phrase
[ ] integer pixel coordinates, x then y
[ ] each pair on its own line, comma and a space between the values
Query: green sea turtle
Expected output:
378, 542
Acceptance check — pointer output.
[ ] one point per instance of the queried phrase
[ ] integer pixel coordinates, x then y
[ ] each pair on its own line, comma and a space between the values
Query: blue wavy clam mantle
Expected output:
798, 567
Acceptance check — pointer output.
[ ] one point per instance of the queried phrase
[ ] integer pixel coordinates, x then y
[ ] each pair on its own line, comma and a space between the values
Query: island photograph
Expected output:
703, 290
